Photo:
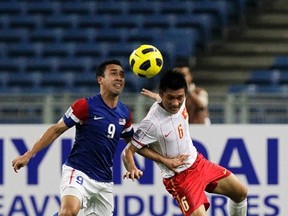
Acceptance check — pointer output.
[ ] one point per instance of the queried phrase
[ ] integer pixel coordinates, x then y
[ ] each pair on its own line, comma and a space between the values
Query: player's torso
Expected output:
173, 132
102, 121
97, 137
173, 137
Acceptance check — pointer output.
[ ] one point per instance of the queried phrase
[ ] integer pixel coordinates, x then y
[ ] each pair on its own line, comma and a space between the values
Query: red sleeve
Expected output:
129, 122
128, 129
80, 109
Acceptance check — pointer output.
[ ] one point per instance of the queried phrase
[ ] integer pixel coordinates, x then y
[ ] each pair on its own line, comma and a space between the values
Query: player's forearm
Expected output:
46, 139
151, 154
128, 159
170, 163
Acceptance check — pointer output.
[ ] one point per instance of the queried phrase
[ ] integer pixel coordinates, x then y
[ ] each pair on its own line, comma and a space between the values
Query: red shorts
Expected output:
189, 186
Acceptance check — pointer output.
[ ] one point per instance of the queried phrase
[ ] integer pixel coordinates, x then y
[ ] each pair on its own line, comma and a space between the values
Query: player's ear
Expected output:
99, 79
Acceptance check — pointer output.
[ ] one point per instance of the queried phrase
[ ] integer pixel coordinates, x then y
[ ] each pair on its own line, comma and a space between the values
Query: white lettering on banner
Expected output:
255, 153
28, 205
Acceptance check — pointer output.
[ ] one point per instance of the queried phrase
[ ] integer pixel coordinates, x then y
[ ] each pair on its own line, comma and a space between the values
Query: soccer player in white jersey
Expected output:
165, 129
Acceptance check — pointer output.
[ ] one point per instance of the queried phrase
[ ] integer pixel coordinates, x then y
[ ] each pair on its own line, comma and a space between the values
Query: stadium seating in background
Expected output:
132, 82
10, 8
158, 21
84, 83
80, 8
143, 8
111, 8
56, 37
265, 80
43, 36
94, 21
281, 62
149, 36
40, 65
11, 36
217, 9
56, 50
238, 9
8, 66
176, 44
58, 83
265, 77
202, 23
254, 88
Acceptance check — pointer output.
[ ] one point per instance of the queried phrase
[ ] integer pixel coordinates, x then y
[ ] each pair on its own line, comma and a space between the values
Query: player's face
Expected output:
113, 79
172, 99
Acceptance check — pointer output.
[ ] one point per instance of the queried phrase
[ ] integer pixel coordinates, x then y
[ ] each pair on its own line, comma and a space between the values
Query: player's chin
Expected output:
117, 91
173, 110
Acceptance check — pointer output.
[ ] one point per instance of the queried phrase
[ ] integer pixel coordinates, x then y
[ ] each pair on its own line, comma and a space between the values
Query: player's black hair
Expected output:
101, 68
172, 80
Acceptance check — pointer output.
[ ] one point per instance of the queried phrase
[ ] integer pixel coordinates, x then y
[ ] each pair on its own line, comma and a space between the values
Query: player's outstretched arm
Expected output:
128, 159
46, 139
171, 163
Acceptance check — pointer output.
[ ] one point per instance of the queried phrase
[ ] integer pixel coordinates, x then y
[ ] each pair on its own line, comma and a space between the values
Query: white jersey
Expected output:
168, 134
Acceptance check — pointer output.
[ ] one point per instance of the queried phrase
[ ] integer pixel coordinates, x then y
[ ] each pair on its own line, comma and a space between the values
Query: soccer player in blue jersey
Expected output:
100, 121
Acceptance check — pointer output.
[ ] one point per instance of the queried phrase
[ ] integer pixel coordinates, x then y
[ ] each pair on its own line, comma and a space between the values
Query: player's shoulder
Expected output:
154, 114
80, 102
95, 99
148, 122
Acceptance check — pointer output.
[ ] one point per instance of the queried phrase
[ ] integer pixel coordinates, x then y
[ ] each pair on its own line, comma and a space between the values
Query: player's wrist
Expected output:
163, 160
29, 154
158, 98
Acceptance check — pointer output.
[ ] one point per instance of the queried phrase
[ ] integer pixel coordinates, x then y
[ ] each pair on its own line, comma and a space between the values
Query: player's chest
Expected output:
172, 129
106, 120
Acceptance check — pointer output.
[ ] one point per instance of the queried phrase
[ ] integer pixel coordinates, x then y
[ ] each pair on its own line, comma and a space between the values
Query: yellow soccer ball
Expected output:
146, 61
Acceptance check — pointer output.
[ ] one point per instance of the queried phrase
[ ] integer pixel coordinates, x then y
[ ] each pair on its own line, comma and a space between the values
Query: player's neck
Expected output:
110, 100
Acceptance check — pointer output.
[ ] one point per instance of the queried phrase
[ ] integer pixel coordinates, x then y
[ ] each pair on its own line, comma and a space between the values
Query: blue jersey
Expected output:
98, 130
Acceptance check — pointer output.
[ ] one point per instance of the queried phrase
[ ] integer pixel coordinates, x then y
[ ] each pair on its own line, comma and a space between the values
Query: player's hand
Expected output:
133, 174
150, 94
20, 161
173, 163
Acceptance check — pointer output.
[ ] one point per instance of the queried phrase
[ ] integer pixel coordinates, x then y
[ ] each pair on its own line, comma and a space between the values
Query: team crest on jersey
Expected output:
122, 121
185, 113
137, 134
